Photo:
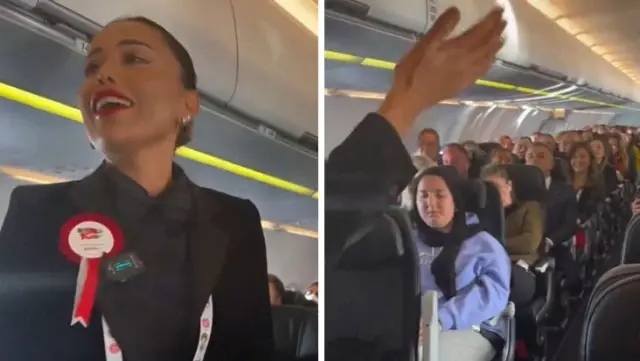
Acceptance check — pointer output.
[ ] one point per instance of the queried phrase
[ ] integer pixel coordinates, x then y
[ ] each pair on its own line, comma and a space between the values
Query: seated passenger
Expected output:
429, 144
521, 147
500, 156
523, 230
506, 142
467, 266
312, 292
561, 214
455, 155
600, 148
619, 155
276, 290
421, 163
586, 180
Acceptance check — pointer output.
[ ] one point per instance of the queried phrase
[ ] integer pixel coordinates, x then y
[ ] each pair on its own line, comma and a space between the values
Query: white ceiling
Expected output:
613, 25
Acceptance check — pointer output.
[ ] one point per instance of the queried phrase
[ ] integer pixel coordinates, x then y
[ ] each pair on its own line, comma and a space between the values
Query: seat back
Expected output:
612, 320
295, 332
631, 241
485, 202
489, 147
372, 288
296, 298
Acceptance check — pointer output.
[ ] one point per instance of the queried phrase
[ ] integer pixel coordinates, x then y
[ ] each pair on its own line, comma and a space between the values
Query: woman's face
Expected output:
597, 148
435, 202
521, 147
501, 157
580, 160
615, 147
505, 189
133, 93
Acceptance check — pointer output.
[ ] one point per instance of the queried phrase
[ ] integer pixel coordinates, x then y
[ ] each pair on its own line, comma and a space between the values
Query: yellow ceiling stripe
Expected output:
388, 65
71, 113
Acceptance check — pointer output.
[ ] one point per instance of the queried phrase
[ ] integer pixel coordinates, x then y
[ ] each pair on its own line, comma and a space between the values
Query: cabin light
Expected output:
586, 39
574, 29
304, 11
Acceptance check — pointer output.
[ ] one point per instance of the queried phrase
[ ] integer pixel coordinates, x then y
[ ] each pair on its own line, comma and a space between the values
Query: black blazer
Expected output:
562, 212
37, 284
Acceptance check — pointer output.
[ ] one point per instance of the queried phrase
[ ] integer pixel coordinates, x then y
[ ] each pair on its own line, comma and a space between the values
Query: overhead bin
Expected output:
531, 39
278, 67
250, 55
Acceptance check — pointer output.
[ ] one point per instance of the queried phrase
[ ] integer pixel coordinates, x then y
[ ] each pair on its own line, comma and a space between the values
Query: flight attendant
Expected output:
134, 262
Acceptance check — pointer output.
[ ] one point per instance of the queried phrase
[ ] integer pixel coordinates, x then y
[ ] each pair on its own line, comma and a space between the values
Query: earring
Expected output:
185, 120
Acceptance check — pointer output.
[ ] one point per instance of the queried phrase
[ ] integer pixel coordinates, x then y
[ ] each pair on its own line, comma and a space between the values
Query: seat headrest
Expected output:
295, 332
476, 196
488, 147
528, 182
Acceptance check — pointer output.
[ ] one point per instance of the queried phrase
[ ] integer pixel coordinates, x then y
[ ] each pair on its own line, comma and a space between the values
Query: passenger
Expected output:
586, 181
506, 143
138, 102
276, 290
467, 266
429, 144
619, 156
312, 292
523, 231
521, 147
501, 156
567, 140
548, 140
561, 215
455, 155
600, 129
421, 163
600, 148
473, 149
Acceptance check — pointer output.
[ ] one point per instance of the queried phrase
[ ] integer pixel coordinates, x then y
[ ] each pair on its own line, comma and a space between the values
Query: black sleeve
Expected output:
570, 220
371, 159
253, 339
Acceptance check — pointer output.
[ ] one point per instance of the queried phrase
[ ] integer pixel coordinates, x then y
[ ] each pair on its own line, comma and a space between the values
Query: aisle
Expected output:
569, 347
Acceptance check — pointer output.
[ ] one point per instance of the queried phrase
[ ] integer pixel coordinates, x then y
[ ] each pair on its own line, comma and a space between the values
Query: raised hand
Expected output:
438, 67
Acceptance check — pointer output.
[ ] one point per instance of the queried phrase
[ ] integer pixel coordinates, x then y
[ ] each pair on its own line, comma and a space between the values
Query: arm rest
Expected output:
544, 264
431, 326
545, 267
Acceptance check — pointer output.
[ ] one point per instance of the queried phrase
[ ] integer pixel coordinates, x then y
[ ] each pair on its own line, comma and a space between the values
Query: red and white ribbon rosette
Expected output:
85, 239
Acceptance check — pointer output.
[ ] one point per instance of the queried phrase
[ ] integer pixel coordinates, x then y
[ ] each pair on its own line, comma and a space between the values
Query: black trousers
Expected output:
523, 286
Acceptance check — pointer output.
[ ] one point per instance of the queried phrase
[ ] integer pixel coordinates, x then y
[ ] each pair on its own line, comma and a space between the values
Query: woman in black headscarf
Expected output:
465, 264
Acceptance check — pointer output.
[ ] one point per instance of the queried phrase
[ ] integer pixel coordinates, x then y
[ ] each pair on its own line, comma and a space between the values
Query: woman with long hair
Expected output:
586, 179
619, 156
144, 264
599, 146
523, 230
